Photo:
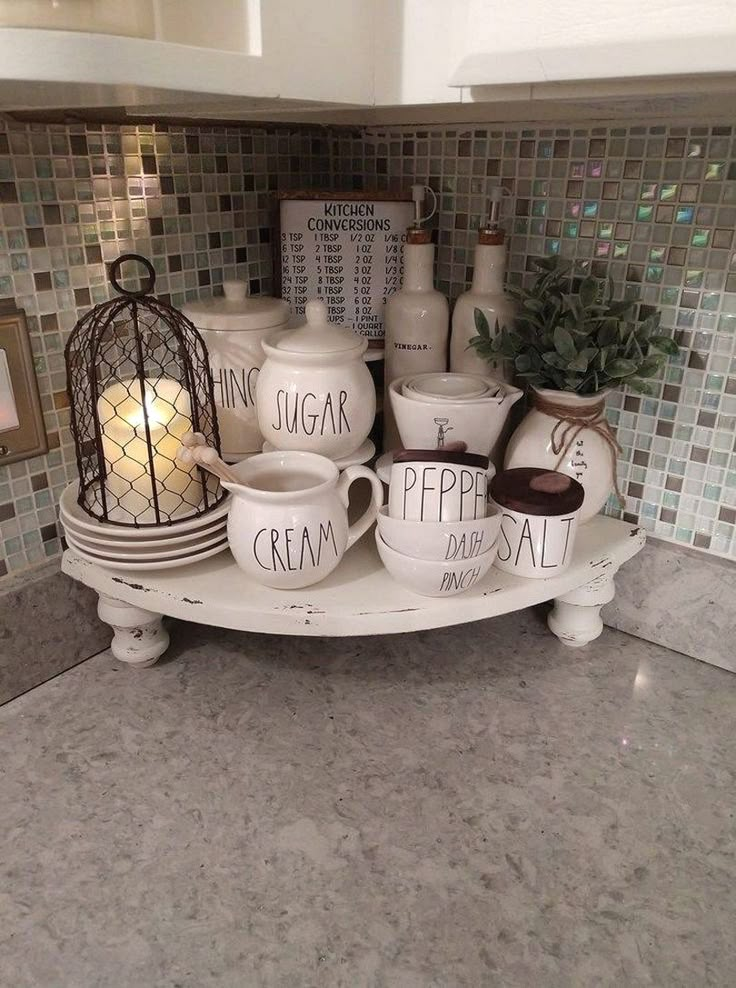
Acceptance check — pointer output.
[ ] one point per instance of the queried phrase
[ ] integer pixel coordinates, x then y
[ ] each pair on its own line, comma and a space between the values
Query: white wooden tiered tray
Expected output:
359, 598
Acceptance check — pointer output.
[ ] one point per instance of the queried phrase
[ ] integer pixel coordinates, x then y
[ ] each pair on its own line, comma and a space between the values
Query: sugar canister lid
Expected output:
236, 310
534, 491
318, 334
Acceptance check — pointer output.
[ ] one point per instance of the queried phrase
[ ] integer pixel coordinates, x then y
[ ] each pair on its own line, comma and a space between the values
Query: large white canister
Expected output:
233, 326
539, 520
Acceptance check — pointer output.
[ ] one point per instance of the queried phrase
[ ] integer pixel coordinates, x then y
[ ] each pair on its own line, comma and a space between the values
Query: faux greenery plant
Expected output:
581, 343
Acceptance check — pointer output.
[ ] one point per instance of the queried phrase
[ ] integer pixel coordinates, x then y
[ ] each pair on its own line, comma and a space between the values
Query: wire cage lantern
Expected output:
138, 379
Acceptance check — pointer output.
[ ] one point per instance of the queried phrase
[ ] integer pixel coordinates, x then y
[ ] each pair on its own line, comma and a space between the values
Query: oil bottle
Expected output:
486, 293
417, 316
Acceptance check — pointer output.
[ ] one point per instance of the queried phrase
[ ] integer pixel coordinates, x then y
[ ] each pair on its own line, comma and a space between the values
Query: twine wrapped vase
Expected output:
568, 432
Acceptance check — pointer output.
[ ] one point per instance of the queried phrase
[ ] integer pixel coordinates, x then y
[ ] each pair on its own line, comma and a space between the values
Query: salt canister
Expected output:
539, 518
232, 327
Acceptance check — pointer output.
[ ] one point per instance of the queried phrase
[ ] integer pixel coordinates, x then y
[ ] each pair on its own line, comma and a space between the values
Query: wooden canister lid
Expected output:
534, 491
441, 456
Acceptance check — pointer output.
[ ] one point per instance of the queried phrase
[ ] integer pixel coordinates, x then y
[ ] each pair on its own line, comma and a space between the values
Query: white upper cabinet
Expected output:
215, 55
507, 41
296, 58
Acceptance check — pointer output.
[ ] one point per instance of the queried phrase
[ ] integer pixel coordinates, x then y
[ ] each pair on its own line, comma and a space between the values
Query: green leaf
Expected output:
608, 333
481, 324
580, 363
642, 387
664, 343
620, 367
554, 360
564, 344
621, 308
588, 291
651, 365
523, 363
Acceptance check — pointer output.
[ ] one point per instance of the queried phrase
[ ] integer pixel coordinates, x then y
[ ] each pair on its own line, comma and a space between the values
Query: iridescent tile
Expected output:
711, 301
540, 188
577, 169
570, 230
645, 214
620, 250
695, 149
670, 296
539, 207
573, 209
668, 191
602, 248
700, 238
657, 254
649, 190
605, 231
552, 246
684, 214
595, 169
715, 171
694, 278
654, 273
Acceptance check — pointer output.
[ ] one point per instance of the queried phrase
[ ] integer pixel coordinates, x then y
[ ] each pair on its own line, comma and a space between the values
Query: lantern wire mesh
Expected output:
138, 378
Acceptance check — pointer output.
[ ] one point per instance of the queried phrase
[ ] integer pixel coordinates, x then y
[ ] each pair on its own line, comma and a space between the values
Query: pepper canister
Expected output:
539, 519
315, 392
232, 328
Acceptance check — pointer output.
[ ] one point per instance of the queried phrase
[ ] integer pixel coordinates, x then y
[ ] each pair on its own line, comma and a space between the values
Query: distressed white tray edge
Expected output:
359, 598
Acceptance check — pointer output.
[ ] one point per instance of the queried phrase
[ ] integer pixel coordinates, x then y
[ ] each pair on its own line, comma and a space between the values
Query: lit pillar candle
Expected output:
128, 460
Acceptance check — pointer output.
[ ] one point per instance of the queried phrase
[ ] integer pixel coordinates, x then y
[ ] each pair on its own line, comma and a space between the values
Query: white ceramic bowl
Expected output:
429, 424
446, 541
447, 387
434, 578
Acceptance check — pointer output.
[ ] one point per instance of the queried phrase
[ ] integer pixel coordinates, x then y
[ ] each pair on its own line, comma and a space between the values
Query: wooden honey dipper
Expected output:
194, 449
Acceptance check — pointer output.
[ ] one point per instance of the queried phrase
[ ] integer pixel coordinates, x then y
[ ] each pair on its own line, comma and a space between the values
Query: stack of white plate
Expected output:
160, 547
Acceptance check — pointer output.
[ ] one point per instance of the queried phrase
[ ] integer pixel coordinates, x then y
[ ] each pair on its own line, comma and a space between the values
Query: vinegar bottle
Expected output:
486, 293
416, 317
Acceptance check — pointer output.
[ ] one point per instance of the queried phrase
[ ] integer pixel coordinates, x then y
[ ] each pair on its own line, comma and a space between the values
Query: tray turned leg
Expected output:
576, 617
140, 638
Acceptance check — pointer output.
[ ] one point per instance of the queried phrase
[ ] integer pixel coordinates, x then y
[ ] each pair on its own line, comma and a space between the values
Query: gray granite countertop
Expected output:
474, 806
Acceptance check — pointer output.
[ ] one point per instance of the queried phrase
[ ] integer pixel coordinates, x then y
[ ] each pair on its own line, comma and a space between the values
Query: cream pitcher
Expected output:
288, 523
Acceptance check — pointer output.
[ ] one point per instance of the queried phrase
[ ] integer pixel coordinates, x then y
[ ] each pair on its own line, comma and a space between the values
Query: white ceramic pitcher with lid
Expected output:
288, 522
314, 391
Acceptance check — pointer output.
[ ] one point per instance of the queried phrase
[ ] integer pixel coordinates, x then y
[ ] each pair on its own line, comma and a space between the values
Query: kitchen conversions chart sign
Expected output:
346, 249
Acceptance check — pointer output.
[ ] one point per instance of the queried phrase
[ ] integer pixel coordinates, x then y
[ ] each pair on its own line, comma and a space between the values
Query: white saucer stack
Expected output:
154, 547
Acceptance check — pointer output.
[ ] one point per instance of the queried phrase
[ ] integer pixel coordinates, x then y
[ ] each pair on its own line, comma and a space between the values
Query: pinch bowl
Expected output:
431, 577
441, 541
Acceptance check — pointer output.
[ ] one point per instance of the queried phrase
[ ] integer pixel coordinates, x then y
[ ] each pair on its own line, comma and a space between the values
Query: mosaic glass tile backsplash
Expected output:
197, 201
654, 206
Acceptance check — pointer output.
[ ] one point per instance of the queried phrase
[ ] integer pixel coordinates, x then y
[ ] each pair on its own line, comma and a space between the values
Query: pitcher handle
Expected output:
348, 475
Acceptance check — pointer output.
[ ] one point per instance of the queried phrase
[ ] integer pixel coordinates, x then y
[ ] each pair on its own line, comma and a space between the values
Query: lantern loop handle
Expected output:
146, 285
